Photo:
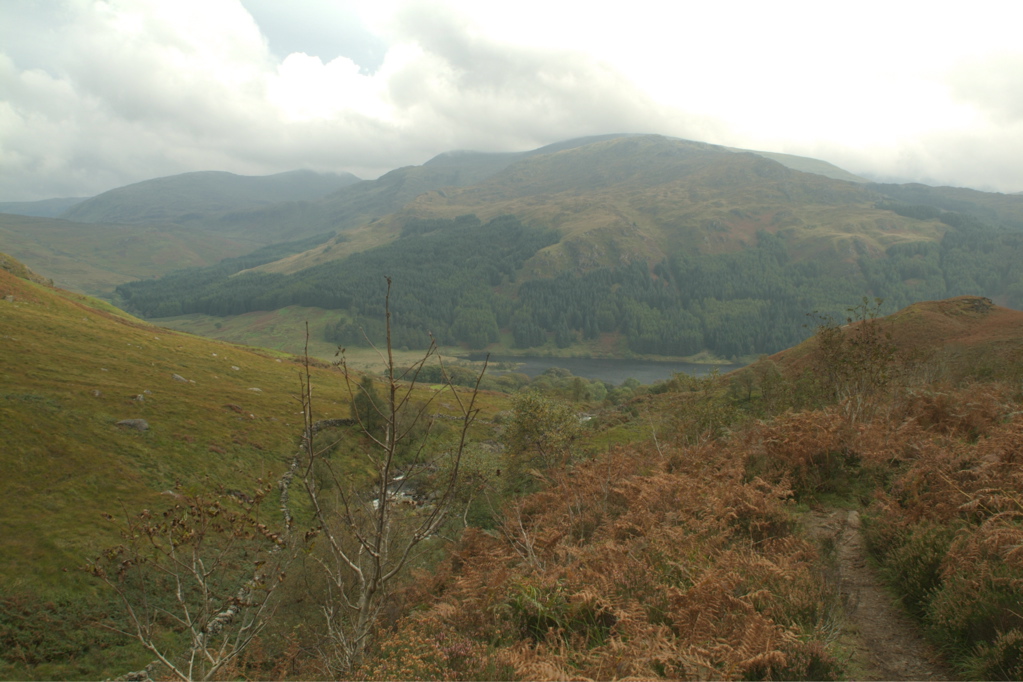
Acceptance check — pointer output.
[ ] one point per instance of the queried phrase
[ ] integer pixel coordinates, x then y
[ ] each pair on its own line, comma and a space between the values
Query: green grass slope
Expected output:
94, 258
193, 198
72, 367
647, 197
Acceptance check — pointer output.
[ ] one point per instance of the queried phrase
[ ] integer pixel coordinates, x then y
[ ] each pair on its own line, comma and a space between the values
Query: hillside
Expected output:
94, 258
807, 165
46, 208
696, 528
71, 368
362, 203
199, 198
654, 245
104, 414
651, 245
966, 336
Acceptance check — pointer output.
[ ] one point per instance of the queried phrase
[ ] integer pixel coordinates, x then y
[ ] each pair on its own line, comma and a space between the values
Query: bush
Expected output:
915, 566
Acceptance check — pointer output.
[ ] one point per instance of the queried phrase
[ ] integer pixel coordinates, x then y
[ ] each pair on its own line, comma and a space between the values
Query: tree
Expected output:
542, 426
367, 537
368, 407
857, 362
198, 580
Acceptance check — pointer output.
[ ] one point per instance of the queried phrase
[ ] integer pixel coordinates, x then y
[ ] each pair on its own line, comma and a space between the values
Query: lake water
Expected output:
611, 370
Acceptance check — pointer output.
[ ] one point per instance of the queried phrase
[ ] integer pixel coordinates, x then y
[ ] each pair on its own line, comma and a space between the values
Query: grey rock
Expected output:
137, 424
178, 377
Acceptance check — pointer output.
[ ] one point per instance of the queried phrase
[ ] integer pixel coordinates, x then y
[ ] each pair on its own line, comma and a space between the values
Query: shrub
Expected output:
915, 566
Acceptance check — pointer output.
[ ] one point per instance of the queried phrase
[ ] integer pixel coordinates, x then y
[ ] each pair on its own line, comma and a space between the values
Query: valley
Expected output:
639, 245
744, 416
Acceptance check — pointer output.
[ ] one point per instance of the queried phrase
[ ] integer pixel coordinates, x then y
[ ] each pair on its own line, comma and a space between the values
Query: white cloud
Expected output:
115, 91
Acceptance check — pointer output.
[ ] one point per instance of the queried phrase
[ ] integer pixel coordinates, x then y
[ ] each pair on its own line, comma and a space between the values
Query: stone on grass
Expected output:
137, 424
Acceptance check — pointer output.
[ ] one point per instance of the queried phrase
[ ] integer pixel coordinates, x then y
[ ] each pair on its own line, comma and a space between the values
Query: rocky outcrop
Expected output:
136, 424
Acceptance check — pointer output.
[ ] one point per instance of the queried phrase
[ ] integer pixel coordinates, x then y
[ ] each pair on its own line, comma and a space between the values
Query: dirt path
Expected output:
885, 644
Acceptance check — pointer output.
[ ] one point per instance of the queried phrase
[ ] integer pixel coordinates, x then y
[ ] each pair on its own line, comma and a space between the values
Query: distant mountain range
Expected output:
615, 244
47, 208
200, 197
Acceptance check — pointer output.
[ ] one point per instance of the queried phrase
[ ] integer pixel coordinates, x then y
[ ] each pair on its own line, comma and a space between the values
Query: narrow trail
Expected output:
885, 644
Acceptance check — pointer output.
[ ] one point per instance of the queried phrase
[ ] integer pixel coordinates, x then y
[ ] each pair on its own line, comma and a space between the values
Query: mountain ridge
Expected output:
191, 197
677, 246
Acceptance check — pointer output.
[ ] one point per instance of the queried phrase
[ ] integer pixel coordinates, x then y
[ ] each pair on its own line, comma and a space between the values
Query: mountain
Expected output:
94, 258
154, 227
807, 165
642, 244
197, 198
47, 208
364, 202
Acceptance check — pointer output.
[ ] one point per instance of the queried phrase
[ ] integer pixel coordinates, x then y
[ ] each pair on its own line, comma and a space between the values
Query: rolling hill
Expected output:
71, 368
46, 208
654, 245
79, 377
200, 197
94, 258
104, 414
670, 246
961, 338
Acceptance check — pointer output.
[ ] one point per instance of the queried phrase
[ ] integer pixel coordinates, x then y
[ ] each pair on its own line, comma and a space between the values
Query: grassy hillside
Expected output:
94, 258
196, 198
45, 208
676, 246
807, 165
668, 535
647, 198
71, 368
954, 339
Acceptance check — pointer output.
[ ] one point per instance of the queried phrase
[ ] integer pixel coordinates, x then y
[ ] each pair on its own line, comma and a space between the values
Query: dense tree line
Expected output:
974, 257
444, 274
164, 297
455, 281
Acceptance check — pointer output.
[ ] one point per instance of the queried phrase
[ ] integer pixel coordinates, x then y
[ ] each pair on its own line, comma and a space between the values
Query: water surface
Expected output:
613, 371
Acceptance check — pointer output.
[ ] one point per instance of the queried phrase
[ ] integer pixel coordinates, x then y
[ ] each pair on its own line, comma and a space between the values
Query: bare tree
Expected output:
197, 581
369, 536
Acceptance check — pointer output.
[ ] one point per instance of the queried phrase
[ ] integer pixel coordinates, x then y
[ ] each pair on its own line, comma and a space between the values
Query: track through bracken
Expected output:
883, 641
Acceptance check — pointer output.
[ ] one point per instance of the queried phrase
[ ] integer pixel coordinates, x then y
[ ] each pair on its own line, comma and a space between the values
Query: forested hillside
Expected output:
641, 243
684, 530
201, 197
464, 281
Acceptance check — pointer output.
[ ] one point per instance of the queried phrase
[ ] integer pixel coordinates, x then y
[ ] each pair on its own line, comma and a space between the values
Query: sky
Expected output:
96, 94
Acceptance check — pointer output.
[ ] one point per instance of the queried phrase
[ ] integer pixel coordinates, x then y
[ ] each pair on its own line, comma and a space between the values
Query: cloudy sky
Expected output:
96, 94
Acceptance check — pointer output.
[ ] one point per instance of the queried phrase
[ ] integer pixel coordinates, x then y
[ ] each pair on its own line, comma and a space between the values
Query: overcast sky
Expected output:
95, 94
